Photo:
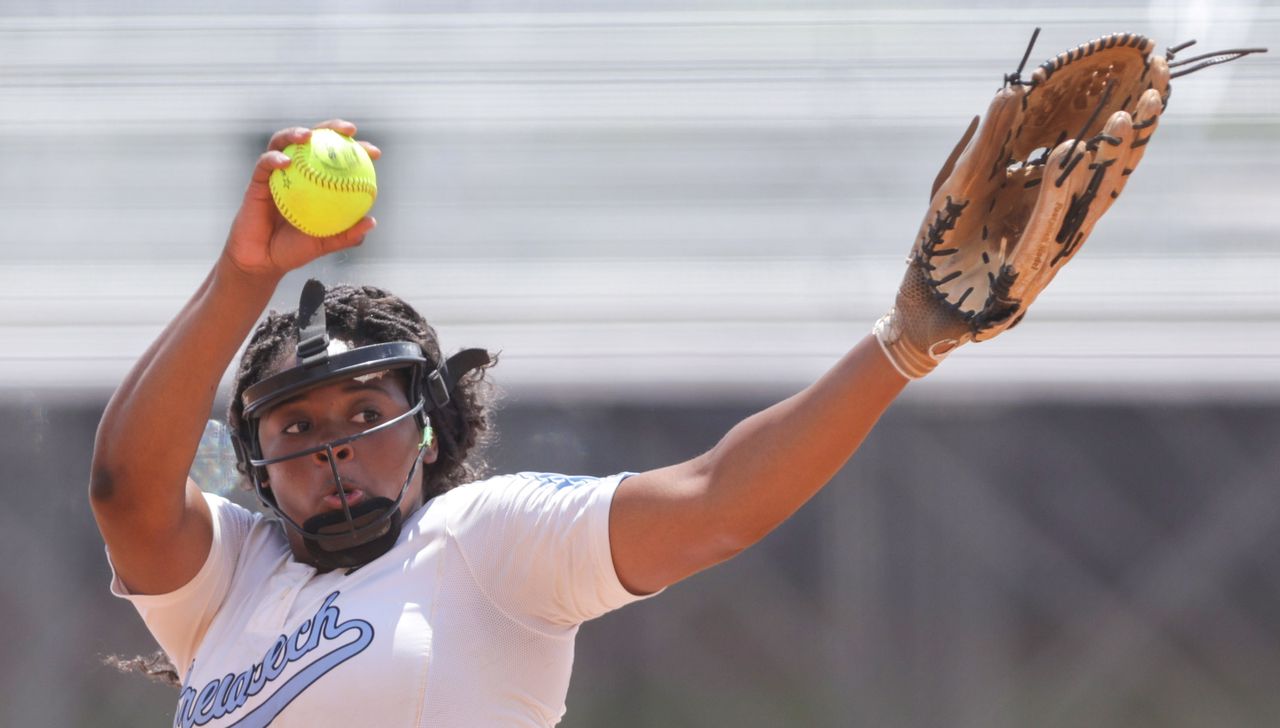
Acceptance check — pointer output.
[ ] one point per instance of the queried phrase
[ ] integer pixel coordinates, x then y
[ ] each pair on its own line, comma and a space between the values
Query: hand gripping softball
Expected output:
328, 186
1021, 192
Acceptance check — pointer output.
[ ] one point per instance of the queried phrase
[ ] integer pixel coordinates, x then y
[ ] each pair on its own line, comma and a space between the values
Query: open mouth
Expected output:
334, 502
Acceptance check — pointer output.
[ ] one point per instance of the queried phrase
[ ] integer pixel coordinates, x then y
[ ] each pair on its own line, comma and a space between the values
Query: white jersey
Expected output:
469, 620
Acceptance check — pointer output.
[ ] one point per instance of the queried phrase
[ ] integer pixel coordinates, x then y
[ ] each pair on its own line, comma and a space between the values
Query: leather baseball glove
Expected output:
1021, 192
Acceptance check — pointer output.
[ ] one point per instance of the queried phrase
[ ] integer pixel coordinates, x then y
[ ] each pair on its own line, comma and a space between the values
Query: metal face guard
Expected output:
353, 536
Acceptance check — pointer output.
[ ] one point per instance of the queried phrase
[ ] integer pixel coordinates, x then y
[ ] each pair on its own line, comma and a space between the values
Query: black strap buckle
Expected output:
437, 390
313, 332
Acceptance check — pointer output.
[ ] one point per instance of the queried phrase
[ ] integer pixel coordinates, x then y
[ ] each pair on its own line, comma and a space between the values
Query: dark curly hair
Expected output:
363, 315
156, 666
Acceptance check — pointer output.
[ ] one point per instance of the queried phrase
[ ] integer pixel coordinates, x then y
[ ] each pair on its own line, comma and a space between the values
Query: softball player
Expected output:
391, 589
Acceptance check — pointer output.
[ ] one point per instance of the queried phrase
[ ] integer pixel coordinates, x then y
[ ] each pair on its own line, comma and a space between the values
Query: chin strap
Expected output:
338, 548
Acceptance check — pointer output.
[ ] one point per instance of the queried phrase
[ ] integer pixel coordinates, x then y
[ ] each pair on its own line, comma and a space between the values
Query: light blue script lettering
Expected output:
223, 696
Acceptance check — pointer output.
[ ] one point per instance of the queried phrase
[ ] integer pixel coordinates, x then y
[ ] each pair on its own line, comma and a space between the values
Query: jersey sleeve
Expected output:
178, 620
538, 545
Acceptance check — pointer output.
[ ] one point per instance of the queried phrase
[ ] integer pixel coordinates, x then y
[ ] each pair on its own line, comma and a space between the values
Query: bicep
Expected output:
664, 527
158, 555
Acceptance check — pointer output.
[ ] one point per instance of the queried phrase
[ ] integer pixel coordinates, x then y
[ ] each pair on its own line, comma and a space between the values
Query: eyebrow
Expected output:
352, 385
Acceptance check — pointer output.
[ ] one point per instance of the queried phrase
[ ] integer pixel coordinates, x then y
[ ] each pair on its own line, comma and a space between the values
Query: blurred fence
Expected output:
688, 200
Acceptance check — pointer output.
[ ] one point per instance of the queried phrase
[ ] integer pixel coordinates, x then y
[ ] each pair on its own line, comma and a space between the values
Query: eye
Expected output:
367, 416
297, 428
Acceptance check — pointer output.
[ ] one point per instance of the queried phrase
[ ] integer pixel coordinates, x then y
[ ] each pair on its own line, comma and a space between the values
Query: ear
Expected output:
432, 452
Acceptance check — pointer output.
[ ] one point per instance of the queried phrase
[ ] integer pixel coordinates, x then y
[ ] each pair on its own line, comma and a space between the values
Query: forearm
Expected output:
150, 430
771, 463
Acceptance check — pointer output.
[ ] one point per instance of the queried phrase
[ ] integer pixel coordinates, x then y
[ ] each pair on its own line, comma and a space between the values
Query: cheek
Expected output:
282, 480
283, 472
389, 449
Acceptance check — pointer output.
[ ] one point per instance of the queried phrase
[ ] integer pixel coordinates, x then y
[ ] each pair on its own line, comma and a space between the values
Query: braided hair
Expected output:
364, 315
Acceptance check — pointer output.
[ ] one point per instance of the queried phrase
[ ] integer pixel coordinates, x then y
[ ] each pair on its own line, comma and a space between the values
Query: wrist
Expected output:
247, 286
910, 360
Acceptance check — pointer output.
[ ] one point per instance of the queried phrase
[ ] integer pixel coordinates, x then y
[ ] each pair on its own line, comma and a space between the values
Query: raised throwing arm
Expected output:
153, 518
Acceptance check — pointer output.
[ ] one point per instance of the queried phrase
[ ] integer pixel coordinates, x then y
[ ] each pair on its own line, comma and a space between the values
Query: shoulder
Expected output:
526, 486
525, 496
538, 543
243, 535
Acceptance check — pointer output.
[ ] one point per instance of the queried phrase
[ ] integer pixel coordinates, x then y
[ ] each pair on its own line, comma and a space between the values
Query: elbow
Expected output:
103, 472
110, 467
728, 547
114, 497
734, 521
106, 472
734, 541
102, 483
725, 534
711, 550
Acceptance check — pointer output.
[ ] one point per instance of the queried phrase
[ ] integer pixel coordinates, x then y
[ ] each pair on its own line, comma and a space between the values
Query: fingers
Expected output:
347, 128
300, 135
268, 162
285, 137
275, 158
342, 126
349, 238
362, 228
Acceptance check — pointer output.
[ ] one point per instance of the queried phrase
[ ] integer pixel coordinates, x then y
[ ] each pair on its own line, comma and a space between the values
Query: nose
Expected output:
340, 453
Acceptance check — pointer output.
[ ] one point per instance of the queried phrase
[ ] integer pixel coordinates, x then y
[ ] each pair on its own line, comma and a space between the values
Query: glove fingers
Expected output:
1147, 118
969, 174
1066, 213
1106, 158
977, 160
1113, 146
950, 164
1158, 76
1120, 160
1033, 261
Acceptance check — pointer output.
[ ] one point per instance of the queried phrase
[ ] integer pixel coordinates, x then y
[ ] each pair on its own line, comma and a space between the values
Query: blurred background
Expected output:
667, 215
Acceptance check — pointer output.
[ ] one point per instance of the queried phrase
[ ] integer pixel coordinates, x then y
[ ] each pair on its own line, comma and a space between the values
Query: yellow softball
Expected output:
329, 185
